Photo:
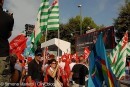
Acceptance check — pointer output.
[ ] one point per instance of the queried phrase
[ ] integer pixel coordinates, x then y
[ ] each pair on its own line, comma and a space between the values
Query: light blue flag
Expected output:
28, 51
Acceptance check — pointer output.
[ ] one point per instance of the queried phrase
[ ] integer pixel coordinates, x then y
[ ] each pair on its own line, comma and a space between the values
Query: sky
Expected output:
101, 11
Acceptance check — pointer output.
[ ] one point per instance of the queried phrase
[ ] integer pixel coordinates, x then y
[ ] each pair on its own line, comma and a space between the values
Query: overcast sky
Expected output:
101, 11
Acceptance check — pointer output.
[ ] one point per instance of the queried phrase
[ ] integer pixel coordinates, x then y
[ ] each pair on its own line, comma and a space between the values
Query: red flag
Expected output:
75, 56
19, 37
69, 56
16, 42
63, 57
53, 4
20, 48
86, 52
67, 71
67, 67
63, 76
55, 1
20, 56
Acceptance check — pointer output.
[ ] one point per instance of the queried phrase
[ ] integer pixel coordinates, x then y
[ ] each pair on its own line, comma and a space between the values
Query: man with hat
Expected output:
35, 72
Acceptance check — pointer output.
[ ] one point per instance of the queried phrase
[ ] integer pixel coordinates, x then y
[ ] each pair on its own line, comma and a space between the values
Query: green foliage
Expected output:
71, 30
88, 22
122, 22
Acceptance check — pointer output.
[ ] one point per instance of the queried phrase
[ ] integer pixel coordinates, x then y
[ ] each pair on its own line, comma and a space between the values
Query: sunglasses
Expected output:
39, 55
53, 63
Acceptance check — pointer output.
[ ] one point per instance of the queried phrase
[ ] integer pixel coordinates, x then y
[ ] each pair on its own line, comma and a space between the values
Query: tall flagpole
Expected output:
45, 47
58, 36
58, 41
46, 35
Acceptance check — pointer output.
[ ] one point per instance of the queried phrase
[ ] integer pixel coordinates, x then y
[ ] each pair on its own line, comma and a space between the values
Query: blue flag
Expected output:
28, 52
99, 70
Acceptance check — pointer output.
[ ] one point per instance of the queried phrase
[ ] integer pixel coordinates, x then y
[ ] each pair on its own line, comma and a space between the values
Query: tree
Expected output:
122, 22
88, 22
71, 30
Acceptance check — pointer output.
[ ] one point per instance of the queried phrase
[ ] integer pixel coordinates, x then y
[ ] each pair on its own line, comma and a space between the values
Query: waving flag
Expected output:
86, 52
18, 40
28, 51
20, 48
75, 56
53, 16
118, 57
128, 49
99, 70
41, 22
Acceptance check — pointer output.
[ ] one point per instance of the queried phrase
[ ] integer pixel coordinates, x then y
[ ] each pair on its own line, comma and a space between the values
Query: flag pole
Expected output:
46, 35
45, 47
58, 36
58, 41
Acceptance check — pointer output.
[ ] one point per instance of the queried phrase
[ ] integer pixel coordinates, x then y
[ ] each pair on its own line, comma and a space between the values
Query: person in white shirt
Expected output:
62, 64
73, 62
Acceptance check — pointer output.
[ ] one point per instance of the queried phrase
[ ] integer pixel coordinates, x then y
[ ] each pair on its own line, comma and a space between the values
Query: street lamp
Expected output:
79, 6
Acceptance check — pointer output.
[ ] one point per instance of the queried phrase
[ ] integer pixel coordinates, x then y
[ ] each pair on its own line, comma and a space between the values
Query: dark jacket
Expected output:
6, 25
34, 70
79, 73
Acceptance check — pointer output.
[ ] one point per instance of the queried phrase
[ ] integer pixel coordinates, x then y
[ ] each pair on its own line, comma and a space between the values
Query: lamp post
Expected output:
79, 6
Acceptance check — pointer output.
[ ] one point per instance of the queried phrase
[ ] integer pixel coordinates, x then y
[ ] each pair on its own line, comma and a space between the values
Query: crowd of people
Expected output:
40, 72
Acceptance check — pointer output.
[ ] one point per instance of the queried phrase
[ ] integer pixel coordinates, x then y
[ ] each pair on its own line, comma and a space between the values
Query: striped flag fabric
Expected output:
99, 69
128, 49
117, 57
41, 22
53, 16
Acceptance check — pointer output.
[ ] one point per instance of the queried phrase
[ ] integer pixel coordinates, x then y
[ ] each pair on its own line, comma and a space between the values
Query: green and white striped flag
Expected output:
53, 16
128, 49
118, 57
41, 22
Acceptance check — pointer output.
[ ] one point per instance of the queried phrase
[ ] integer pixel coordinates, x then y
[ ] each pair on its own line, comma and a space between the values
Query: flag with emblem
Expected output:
16, 42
